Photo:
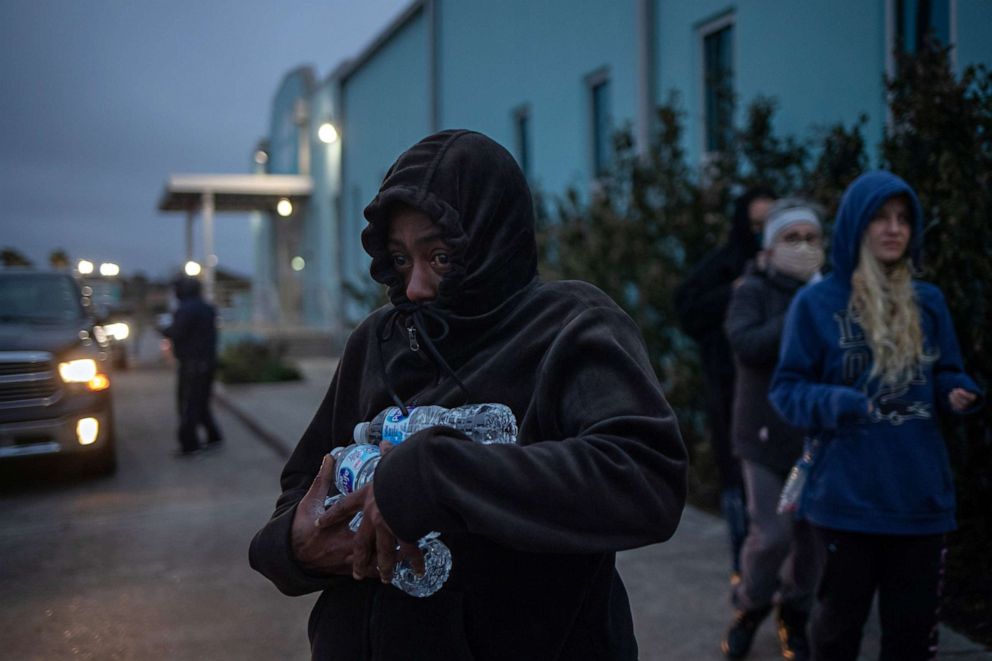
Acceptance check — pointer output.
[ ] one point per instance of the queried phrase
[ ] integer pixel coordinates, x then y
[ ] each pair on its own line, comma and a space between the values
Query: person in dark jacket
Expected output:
533, 527
193, 334
869, 362
767, 445
701, 303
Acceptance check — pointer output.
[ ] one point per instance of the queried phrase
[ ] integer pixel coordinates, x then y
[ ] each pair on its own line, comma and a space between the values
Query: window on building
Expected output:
718, 83
522, 128
919, 21
602, 123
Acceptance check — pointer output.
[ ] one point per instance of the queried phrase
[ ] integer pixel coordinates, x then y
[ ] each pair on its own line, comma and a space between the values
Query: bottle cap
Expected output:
361, 433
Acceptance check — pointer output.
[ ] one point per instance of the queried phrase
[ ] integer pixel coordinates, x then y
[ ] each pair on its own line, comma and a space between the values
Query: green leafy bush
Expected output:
255, 361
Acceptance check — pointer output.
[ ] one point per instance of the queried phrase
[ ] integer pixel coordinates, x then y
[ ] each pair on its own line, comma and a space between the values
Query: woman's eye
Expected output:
442, 259
399, 261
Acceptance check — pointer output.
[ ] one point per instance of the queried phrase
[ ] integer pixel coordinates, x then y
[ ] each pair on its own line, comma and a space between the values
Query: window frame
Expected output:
594, 81
891, 30
727, 19
523, 136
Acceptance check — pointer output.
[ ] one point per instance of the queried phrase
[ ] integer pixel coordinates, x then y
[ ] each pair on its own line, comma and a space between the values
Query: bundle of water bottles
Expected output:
354, 466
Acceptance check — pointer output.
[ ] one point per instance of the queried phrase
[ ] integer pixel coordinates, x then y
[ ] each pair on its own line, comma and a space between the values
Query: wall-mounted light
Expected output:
297, 263
85, 267
192, 269
327, 133
261, 156
109, 269
284, 207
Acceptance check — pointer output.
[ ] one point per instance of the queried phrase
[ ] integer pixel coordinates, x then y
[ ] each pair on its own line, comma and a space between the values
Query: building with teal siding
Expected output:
550, 80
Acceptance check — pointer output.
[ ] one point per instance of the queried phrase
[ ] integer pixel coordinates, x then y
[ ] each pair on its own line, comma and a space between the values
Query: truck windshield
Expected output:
39, 297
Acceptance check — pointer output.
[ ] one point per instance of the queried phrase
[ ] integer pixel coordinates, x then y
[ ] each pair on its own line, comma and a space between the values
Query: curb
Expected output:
278, 445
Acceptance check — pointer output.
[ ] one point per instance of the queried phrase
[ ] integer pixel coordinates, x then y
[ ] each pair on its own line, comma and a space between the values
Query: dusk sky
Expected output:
103, 99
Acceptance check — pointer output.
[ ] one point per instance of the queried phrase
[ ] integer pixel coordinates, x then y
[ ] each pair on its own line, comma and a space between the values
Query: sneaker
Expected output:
213, 445
185, 454
792, 633
737, 642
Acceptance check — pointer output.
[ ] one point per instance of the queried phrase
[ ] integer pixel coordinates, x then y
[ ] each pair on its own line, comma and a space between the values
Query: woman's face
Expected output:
889, 230
418, 253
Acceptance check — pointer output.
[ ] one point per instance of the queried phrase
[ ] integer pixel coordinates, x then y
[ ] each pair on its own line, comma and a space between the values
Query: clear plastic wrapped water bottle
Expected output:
792, 491
354, 467
483, 423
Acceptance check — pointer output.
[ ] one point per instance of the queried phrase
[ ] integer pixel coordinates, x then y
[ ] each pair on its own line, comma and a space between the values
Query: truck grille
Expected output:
27, 379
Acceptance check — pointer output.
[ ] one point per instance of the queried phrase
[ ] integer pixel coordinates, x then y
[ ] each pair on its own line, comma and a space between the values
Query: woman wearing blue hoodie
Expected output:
869, 359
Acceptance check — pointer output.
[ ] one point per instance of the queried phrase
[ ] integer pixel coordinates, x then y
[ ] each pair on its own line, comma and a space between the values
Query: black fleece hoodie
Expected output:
533, 527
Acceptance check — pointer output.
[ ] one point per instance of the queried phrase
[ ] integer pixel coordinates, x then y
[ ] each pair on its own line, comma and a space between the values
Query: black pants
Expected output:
196, 379
906, 570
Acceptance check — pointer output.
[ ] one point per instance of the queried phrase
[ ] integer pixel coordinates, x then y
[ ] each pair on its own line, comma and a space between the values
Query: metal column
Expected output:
209, 258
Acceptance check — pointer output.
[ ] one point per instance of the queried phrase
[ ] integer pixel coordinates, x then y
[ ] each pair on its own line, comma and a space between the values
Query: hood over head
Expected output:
861, 200
186, 287
473, 189
742, 241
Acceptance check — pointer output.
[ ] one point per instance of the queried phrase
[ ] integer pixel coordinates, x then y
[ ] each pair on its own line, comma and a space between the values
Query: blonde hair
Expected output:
884, 303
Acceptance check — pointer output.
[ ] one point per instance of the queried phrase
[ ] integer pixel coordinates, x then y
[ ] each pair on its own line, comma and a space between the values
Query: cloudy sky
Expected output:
102, 99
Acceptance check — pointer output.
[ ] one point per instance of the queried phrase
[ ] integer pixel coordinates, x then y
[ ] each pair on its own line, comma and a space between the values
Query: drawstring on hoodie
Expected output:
416, 317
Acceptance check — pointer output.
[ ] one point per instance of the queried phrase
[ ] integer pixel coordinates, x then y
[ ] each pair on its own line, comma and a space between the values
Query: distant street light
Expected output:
261, 157
327, 133
85, 267
284, 207
109, 269
192, 269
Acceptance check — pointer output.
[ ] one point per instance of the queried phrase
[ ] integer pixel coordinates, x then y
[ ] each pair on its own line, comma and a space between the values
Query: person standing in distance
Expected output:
869, 363
701, 303
193, 334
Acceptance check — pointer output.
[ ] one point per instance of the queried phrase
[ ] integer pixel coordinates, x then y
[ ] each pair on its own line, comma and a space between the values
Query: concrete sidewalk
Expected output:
678, 590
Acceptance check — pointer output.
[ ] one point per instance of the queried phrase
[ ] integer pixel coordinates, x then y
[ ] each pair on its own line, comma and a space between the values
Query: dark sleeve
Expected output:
179, 329
702, 299
271, 551
797, 392
610, 474
753, 336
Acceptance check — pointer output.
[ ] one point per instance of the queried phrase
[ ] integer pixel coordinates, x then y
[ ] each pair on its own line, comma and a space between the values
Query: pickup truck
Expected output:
55, 391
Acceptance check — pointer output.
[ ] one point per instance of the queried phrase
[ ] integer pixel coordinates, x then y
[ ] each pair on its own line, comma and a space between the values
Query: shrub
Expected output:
255, 361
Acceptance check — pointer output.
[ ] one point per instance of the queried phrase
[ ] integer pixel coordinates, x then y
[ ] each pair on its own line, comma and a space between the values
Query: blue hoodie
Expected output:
885, 472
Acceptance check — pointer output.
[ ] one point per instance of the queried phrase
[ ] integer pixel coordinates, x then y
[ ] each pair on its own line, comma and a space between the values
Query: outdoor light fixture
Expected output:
192, 269
297, 263
327, 133
284, 207
85, 267
261, 156
87, 430
109, 269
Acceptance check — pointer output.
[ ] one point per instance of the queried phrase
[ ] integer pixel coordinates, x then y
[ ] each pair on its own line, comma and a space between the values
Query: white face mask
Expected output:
800, 260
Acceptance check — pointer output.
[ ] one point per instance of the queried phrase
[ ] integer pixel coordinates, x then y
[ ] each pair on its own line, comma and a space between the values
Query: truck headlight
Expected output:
82, 370
118, 331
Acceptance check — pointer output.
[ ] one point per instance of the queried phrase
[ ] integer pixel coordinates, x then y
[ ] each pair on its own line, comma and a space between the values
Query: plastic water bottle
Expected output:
483, 423
792, 491
354, 467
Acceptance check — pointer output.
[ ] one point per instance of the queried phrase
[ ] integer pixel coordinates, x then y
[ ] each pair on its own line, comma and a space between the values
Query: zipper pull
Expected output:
411, 333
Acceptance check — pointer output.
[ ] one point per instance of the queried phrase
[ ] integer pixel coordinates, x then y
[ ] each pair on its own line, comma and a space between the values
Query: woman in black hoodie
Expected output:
532, 528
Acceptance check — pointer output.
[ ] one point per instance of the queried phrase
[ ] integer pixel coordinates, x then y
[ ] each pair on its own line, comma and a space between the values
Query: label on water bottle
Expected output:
349, 465
396, 426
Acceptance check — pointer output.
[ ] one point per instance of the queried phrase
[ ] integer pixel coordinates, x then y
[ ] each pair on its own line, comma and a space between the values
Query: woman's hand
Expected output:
326, 549
960, 399
375, 549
